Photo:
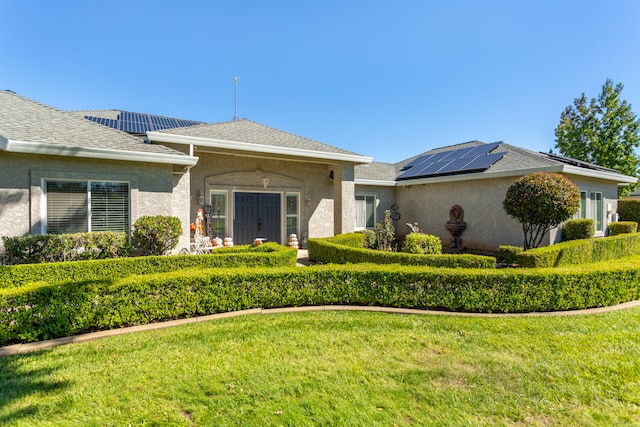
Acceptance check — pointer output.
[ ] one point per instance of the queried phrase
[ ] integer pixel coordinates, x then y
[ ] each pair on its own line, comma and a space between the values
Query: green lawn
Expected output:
339, 368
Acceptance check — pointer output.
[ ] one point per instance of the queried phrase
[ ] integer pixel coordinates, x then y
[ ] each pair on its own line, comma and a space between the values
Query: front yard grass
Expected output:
339, 368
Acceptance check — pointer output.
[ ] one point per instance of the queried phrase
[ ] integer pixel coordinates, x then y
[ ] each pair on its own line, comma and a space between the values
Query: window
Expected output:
365, 211
596, 210
219, 213
82, 206
591, 207
293, 215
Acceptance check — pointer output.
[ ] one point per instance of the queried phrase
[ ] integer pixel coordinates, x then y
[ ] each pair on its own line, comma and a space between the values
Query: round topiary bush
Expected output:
541, 201
420, 243
156, 235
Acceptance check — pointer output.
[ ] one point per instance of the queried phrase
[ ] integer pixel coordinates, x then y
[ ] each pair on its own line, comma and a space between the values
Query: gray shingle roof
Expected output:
516, 159
254, 133
22, 119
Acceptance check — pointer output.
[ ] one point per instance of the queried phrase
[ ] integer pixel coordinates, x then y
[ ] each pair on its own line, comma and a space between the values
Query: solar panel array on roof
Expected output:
470, 159
141, 123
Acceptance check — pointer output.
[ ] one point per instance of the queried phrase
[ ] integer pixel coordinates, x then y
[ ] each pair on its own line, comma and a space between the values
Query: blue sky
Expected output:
384, 79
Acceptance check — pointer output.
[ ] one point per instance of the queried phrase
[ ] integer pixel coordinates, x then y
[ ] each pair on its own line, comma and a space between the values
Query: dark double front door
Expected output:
256, 215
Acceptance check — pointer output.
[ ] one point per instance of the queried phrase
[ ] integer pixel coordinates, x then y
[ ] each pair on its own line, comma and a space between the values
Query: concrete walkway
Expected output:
29, 347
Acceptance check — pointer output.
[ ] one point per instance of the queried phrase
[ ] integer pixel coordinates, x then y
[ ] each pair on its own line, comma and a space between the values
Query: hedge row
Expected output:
44, 311
269, 254
581, 251
348, 249
629, 210
38, 248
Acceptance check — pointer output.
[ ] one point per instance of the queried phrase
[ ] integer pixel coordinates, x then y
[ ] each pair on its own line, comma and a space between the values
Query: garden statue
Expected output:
456, 226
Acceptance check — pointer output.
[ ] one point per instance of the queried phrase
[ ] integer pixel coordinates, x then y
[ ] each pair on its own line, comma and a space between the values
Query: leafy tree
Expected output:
541, 201
603, 131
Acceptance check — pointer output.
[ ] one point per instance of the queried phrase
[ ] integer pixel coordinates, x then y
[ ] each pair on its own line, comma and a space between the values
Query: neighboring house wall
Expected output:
21, 187
234, 173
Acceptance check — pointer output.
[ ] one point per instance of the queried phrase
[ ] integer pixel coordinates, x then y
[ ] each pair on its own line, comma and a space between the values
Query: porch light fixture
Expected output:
265, 182
200, 198
307, 199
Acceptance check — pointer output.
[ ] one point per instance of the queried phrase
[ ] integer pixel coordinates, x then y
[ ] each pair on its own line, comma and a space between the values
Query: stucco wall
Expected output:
488, 226
21, 176
232, 173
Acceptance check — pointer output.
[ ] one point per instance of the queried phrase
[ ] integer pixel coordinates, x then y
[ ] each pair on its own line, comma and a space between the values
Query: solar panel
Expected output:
455, 165
453, 161
483, 149
141, 123
484, 162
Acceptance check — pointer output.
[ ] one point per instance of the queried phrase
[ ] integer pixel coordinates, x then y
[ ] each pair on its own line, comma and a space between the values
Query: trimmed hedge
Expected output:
421, 243
575, 229
622, 227
267, 255
347, 249
39, 248
581, 251
629, 210
44, 311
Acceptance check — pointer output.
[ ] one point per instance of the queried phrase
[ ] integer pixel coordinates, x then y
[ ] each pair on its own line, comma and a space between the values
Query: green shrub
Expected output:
541, 201
420, 243
509, 254
39, 248
370, 240
629, 210
342, 249
43, 310
622, 227
385, 233
156, 235
269, 254
581, 251
575, 229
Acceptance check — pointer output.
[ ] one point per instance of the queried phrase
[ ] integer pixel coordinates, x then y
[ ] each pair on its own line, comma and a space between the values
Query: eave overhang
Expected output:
30, 147
256, 148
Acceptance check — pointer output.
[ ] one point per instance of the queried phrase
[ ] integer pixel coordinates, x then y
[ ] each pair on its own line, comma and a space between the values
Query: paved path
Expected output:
25, 348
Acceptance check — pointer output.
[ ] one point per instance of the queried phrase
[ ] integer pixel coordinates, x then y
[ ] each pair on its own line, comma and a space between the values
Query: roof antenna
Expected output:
236, 79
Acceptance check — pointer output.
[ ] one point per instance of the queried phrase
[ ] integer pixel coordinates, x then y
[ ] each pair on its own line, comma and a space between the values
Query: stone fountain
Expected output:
456, 226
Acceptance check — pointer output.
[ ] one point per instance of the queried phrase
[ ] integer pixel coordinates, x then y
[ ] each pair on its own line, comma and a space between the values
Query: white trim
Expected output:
611, 176
30, 147
375, 183
619, 178
259, 148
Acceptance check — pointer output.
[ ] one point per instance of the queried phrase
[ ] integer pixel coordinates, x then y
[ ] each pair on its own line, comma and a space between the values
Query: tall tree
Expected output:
604, 131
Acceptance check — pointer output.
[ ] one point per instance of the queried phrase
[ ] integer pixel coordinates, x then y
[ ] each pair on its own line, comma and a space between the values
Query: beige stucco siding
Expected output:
488, 226
22, 176
312, 181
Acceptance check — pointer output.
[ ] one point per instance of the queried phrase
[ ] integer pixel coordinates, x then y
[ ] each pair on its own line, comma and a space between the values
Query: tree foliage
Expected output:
603, 131
541, 201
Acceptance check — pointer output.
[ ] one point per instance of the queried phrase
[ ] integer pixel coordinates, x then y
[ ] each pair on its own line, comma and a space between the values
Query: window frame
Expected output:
222, 214
88, 205
287, 215
364, 197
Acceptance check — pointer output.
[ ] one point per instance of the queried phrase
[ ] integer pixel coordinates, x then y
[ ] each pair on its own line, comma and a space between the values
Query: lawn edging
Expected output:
14, 349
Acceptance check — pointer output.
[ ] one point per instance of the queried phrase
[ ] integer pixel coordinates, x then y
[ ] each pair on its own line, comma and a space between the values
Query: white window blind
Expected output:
109, 206
76, 207
67, 207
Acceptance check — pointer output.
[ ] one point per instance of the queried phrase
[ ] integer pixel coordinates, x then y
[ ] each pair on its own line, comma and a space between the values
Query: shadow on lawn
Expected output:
19, 379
